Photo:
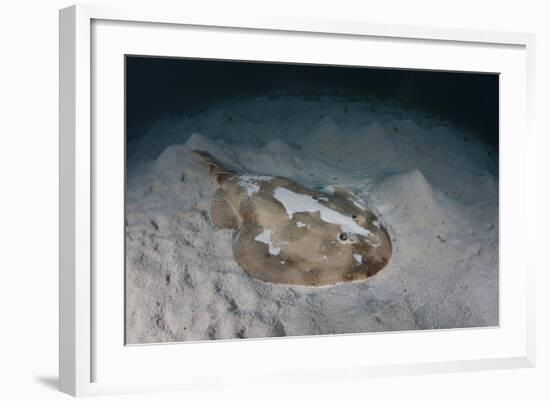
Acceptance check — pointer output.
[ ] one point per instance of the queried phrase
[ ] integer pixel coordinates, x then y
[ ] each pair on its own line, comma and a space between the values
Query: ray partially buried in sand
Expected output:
285, 233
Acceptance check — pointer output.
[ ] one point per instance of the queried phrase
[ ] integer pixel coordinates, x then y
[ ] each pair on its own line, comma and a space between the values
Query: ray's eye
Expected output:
343, 236
353, 216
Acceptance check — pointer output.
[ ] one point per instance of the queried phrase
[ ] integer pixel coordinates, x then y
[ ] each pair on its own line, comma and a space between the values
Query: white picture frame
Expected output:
87, 352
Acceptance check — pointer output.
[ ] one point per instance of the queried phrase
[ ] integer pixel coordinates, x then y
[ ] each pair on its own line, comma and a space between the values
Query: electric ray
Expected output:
285, 233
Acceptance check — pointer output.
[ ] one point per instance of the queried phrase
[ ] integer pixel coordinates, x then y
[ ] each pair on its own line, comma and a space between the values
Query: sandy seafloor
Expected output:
433, 186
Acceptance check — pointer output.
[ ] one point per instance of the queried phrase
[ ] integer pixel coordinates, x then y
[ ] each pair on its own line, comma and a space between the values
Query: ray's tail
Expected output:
215, 167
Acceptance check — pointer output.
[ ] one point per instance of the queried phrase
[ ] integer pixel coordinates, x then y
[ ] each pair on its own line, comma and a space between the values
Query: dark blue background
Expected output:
157, 87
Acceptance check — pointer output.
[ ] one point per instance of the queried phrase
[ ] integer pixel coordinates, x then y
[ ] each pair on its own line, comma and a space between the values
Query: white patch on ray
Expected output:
265, 237
358, 258
296, 203
357, 201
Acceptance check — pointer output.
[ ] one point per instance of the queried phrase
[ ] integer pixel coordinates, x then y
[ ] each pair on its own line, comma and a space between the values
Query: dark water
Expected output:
157, 87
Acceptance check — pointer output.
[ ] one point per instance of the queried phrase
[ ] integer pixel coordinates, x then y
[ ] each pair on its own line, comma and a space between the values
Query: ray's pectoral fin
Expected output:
222, 213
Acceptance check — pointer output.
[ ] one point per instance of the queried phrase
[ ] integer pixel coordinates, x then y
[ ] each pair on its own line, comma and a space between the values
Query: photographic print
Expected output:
270, 199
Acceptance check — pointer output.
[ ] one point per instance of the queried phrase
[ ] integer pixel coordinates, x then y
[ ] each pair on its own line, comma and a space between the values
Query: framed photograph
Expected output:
296, 200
